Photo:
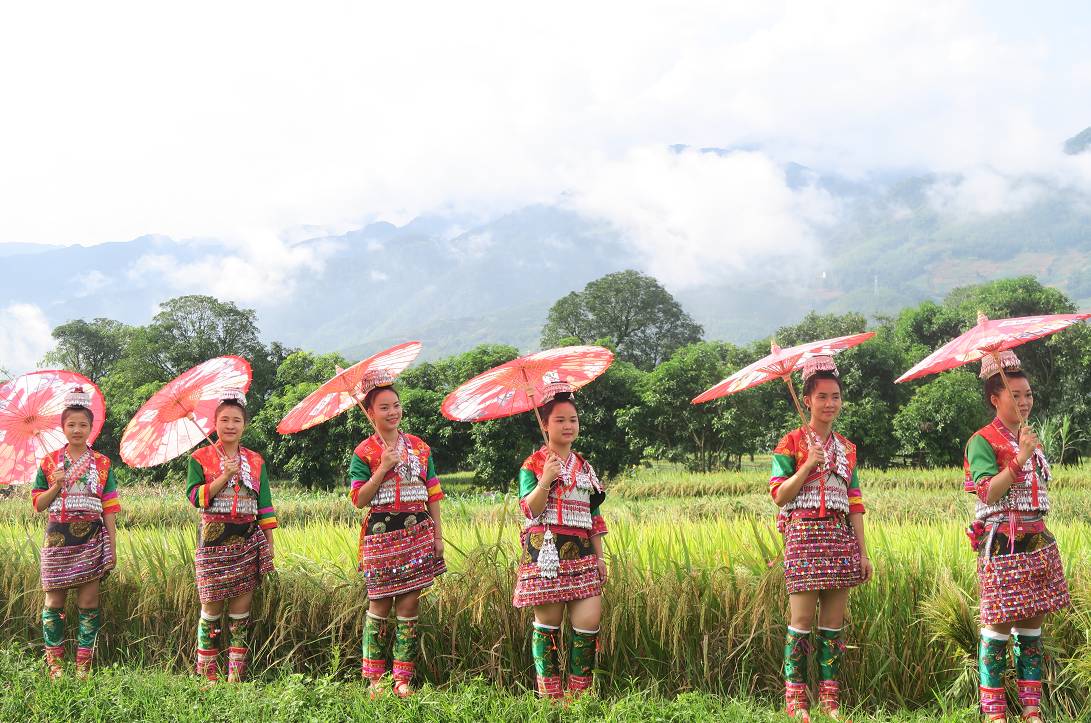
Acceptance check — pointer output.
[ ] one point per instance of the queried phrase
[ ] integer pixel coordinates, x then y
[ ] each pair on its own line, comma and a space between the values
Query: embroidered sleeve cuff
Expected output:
526, 510
110, 503
34, 495
354, 491
598, 526
269, 523
982, 489
435, 491
856, 507
774, 485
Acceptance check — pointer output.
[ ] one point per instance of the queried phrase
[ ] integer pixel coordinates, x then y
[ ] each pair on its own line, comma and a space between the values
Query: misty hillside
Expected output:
454, 284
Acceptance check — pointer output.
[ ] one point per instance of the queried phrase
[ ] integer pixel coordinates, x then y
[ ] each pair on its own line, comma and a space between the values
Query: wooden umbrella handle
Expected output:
1007, 386
538, 415
799, 407
193, 419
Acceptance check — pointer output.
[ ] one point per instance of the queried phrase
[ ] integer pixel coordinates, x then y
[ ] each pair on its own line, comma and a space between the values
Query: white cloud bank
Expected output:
197, 120
24, 338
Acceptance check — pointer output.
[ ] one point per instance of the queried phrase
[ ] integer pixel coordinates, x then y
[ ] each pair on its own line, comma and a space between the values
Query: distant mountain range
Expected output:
898, 240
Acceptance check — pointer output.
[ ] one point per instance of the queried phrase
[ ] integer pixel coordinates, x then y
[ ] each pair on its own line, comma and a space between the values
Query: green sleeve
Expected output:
527, 482
111, 482
195, 477
982, 458
854, 483
784, 465
265, 494
431, 468
40, 482
359, 469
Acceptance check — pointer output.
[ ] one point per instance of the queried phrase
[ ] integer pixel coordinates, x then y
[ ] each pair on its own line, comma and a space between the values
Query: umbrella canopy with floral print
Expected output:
348, 387
520, 385
177, 417
779, 364
989, 337
30, 419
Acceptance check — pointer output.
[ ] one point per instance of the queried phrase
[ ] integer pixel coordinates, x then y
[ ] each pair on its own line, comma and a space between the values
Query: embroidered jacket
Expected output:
89, 487
842, 485
574, 498
993, 448
408, 486
245, 498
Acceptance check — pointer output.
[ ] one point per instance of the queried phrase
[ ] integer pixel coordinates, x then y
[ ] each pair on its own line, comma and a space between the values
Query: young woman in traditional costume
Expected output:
814, 482
401, 540
76, 485
229, 484
562, 564
1019, 569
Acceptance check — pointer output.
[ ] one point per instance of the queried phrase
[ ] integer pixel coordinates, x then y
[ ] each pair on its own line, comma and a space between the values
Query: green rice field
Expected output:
694, 608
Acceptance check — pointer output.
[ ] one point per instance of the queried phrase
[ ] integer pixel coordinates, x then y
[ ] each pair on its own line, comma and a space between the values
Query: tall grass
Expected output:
690, 605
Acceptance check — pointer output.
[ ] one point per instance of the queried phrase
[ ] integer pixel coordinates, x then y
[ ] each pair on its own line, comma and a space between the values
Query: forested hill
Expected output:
454, 283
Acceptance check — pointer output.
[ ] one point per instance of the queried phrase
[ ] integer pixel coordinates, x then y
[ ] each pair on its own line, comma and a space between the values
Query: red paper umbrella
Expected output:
181, 414
989, 338
30, 420
779, 365
349, 387
519, 385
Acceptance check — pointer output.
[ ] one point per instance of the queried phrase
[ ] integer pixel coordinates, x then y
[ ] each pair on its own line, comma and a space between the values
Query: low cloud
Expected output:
25, 337
984, 192
695, 217
250, 267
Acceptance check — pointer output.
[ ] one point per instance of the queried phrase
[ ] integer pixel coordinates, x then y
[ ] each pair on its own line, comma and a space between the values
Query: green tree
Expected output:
934, 426
89, 348
639, 317
426, 385
317, 457
601, 404
703, 437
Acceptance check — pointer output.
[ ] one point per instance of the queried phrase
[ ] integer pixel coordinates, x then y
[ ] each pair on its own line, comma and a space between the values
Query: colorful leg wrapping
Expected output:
1027, 650
378, 634
992, 661
406, 649
581, 660
547, 664
238, 645
208, 633
53, 638
797, 647
831, 648
90, 624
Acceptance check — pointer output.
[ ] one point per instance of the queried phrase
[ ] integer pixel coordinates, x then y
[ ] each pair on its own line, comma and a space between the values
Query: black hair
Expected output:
233, 403
548, 407
369, 398
812, 381
994, 385
69, 411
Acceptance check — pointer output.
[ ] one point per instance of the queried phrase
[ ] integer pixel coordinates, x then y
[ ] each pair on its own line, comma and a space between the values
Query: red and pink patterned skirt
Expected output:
821, 554
1021, 580
75, 553
230, 559
398, 553
578, 575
